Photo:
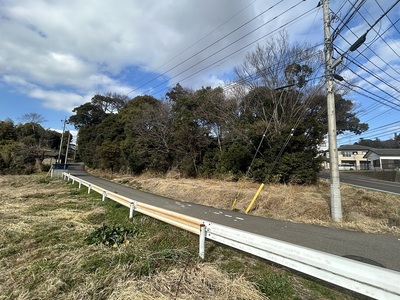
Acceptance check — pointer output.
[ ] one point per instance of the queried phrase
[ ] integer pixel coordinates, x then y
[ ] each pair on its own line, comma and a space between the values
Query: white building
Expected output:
383, 159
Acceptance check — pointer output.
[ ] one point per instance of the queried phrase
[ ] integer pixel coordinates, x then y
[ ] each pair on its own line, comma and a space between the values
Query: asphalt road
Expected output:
379, 249
366, 182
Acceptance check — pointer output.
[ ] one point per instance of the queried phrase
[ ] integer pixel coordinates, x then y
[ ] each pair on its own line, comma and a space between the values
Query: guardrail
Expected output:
362, 278
187, 223
372, 281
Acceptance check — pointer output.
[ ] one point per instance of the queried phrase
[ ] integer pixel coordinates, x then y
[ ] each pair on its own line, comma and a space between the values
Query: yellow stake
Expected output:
237, 196
234, 203
255, 197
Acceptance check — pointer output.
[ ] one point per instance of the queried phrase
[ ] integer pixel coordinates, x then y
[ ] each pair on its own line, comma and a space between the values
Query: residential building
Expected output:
351, 157
383, 159
354, 155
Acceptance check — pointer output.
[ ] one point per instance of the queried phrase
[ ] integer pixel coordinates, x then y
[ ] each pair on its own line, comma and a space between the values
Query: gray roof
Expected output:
353, 147
384, 152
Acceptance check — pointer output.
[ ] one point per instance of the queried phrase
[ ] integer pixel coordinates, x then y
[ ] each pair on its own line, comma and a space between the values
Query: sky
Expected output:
56, 55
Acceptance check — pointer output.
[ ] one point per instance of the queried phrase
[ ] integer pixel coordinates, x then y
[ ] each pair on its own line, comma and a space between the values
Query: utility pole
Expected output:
62, 137
66, 153
336, 202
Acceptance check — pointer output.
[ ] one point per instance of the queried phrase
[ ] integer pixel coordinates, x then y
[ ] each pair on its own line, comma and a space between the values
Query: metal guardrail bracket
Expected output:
202, 241
132, 209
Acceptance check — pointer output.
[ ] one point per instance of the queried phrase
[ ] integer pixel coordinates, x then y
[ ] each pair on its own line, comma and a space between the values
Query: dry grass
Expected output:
363, 210
43, 256
204, 281
43, 253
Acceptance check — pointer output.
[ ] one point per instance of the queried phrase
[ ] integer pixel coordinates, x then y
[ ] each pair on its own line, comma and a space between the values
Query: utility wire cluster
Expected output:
191, 71
370, 74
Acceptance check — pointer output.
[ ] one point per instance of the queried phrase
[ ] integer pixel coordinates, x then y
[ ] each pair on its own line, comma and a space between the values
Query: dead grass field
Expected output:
43, 253
363, 210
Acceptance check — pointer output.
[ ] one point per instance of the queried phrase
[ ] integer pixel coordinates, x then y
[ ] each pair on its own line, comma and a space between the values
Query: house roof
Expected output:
50, 153
353, 147
383, 152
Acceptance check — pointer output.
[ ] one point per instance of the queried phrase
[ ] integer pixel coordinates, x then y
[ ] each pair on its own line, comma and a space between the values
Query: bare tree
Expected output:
33, 119
275, 81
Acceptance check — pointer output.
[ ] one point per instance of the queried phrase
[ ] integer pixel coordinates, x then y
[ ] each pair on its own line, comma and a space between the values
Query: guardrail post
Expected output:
104, 195
73, 181
202, 241
80, 184
132, 210
89, 188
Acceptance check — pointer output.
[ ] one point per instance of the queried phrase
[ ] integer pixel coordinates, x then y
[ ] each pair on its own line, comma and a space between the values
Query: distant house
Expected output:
351, 157
50, 157
354, 155
383, 159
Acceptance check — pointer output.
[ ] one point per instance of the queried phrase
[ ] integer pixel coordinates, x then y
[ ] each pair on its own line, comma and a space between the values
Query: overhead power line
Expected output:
377, 132
231, 54
363, 37
347, 18
212, 44
198, 41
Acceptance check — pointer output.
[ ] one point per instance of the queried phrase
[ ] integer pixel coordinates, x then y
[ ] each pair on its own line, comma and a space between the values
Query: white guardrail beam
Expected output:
369, 280
362, 278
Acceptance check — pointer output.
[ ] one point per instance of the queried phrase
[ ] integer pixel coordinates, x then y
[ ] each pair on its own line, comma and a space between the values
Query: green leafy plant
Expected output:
110, 235
44, 180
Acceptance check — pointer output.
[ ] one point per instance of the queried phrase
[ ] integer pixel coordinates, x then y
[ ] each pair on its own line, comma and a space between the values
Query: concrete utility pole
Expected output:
336, 202
66, 153
62, 137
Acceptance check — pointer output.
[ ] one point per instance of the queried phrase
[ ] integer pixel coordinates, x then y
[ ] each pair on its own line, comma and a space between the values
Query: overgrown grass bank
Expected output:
58, 242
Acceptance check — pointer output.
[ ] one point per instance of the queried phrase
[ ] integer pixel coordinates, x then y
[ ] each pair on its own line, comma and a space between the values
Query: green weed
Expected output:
9, 251
96, 263
44, 180
110, 236
276, 286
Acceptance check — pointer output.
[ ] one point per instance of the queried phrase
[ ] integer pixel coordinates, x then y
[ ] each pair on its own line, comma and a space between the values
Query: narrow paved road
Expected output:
379, 249
366, 182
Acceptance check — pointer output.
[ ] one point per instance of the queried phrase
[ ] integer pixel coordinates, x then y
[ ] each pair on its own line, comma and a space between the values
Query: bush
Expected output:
45, 167
110, 236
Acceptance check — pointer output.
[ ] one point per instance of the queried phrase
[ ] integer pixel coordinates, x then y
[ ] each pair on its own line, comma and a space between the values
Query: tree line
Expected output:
23, 146
266, 125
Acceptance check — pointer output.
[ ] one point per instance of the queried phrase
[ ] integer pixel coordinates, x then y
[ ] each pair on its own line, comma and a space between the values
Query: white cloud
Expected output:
63, 52
57, 100
19, 81
82, 46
